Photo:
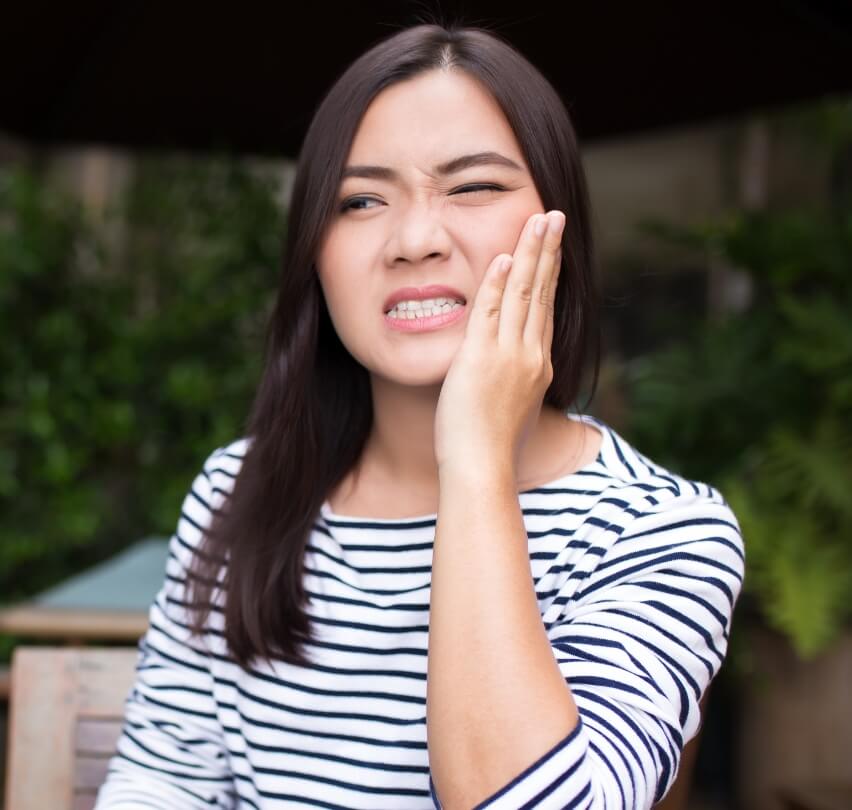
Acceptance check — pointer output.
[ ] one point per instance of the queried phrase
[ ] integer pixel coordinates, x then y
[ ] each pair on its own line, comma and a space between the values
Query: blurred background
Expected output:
146, 156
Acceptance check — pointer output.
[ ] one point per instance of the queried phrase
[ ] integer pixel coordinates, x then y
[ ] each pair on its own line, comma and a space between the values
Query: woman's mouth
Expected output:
424, 316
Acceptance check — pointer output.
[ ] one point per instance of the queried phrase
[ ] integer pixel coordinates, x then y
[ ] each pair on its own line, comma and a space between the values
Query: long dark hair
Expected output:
313, 409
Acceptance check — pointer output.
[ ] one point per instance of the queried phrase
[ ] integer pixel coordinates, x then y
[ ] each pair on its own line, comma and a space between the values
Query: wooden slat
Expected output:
104, 680
52, 687
97, 735
62, 623
40, 717
89, 772
84, 801
95, 742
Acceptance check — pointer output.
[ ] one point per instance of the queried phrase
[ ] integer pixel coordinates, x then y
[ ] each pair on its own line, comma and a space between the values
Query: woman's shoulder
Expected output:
623, 466
659, 500
229, 455
210, 487
221, 467
652, 528
234, 450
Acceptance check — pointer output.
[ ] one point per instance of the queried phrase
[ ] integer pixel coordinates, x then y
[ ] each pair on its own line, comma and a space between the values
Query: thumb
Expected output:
485, 315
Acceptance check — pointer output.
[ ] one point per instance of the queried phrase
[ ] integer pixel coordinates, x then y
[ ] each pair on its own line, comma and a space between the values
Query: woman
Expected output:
418, 580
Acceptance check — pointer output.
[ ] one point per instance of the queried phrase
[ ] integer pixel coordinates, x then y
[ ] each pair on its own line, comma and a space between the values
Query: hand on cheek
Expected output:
493, 391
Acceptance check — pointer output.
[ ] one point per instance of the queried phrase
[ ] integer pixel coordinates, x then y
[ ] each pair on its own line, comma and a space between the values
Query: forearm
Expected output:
496, 699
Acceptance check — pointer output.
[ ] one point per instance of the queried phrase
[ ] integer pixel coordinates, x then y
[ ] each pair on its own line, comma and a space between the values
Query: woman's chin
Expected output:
415, 372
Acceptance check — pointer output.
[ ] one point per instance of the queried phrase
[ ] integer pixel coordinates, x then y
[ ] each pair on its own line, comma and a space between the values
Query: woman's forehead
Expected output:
429, 120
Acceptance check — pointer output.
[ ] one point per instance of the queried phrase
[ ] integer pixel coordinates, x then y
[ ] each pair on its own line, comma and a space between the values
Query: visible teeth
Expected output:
428, 303
438, 306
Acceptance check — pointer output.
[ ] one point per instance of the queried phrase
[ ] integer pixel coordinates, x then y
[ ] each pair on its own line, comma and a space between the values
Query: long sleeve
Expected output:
171, 751
639, 630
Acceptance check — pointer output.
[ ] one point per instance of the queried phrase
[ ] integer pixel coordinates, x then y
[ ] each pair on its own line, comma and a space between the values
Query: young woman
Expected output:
419, 580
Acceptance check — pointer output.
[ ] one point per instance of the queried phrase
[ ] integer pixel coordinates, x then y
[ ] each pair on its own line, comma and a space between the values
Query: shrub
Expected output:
126, 361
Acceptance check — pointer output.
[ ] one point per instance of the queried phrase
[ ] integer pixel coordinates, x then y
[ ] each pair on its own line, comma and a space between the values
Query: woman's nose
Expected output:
418, 234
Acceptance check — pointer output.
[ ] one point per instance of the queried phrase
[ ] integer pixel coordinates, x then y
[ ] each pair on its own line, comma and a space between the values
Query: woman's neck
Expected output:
402, 439
398, 462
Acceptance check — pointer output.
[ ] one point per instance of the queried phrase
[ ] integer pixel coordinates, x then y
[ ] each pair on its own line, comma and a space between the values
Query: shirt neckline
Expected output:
327, 514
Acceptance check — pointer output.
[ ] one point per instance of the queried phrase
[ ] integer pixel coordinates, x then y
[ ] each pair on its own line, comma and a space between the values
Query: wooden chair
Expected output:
65, 717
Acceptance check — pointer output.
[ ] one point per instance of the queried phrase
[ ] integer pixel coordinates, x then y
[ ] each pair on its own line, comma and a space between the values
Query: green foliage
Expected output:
792, 501
130, 349
759, 403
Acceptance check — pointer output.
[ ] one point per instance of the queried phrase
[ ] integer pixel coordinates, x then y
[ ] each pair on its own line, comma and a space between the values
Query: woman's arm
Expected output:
638, 637
496, 699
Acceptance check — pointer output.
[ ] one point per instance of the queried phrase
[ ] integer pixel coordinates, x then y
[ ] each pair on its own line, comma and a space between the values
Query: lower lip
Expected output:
426, 324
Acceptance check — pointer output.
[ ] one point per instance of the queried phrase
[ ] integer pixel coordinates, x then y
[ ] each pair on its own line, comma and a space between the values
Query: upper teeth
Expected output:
430, 306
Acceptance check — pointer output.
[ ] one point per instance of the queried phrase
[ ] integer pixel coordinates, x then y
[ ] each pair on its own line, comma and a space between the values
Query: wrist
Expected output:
483, 471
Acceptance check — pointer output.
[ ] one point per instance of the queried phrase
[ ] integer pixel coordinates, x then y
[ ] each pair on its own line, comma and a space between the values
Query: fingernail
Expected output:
540, 224
556, 219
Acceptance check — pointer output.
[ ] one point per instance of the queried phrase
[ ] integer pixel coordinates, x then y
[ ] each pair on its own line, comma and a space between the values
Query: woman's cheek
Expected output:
500, 227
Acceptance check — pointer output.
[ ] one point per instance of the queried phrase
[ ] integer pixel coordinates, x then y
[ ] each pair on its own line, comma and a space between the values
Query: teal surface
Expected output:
128, 581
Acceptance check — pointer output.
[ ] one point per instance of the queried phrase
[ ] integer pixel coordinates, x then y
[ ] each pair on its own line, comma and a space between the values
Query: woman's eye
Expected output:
352, 203
474, 187
362, 203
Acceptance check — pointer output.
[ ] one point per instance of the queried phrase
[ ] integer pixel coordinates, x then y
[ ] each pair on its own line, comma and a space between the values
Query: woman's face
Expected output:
410, 221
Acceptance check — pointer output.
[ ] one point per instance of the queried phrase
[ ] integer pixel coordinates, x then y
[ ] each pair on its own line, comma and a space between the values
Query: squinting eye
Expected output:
353, 203
473, 187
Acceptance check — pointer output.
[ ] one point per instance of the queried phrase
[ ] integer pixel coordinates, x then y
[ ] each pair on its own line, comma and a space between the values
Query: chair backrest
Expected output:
65, 716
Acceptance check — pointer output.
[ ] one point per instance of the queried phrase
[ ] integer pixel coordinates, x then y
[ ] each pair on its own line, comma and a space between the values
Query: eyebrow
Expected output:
442, 169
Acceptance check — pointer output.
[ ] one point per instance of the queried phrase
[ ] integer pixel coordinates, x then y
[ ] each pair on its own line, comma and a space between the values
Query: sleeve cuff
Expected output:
558, 779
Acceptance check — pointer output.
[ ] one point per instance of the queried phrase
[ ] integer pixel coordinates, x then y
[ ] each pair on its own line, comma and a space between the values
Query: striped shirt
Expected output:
636, 571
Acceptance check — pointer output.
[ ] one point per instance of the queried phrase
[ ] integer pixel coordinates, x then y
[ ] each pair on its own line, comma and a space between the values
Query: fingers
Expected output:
544, 287
528, 288
519, 287
485, 313
515, 300
547, 343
